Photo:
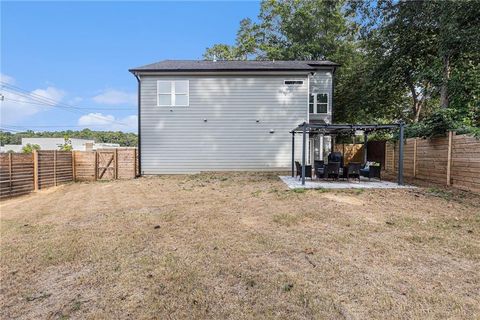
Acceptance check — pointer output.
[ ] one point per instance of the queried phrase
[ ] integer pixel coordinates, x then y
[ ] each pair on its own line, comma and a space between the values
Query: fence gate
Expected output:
107, 165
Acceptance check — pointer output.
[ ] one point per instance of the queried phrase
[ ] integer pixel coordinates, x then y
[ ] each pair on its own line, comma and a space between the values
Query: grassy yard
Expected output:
238, 246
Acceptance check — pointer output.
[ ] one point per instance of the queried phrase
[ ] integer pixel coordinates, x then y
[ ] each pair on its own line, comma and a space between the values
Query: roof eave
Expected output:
313, 69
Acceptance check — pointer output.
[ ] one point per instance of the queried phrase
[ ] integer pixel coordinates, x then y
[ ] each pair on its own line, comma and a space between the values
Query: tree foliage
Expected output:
29, 148
67, 145
125, 139
401, 60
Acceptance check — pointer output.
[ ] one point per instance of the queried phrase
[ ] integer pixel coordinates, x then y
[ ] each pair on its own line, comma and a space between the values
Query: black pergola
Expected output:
334, 129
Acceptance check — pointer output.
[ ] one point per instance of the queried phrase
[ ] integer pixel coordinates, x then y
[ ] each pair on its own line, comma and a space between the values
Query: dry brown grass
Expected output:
238, 246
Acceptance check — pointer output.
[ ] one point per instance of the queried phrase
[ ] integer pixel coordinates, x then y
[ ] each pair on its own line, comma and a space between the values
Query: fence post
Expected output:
55, 168
135, 162
449, 157
393, 156
415, 157
35, 170
10, 171
74, 173
115, 155
96, 165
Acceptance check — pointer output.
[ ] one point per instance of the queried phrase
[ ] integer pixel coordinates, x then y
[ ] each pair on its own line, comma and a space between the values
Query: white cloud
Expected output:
16, 107
50, 93
116, 97
7, 79
100, 121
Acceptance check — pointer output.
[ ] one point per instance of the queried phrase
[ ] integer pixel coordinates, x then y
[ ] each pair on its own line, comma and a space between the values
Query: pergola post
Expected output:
365, 141
293, 154
304, 132
400, 155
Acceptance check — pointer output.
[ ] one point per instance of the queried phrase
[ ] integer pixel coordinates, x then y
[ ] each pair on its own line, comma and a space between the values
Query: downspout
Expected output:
139, 131
333, 89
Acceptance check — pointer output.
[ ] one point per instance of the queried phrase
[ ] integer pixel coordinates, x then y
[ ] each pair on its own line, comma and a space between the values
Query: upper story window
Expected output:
173, 93
318, 103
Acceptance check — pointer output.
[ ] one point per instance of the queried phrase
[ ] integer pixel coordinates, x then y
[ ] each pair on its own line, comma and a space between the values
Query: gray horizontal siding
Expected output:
178, 140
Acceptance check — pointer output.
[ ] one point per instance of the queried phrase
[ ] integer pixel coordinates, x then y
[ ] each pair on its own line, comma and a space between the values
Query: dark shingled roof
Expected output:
246, 65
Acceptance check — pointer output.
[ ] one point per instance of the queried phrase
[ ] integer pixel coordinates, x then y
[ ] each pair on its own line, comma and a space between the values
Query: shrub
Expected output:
29, 148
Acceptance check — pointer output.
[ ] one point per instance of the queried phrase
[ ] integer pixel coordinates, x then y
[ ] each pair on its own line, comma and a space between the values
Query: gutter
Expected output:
139, 143
220, 70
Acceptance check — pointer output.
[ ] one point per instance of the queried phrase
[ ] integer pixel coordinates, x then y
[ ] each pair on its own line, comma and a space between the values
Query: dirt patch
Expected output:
236, 246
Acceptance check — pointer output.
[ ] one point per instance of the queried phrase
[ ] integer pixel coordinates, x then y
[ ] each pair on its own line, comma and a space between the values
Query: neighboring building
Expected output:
101, 145
11, 148
229, 115
50, 144
57, 143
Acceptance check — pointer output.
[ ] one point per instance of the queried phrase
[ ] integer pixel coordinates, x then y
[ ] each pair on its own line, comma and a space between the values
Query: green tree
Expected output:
221, 52
29, 148
67, 145
125, 139
427, 49
400, 59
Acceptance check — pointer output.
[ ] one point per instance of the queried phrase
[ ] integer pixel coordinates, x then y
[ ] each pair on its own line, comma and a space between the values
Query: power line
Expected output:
45, 98
53, 103
83, 108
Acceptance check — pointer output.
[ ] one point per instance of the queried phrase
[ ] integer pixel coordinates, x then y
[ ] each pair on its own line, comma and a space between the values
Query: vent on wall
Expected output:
293, 82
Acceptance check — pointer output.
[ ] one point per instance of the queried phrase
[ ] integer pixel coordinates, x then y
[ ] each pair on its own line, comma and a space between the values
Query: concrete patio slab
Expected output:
294, 183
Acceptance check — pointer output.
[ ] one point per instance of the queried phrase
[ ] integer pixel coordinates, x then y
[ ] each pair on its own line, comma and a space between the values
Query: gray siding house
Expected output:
229, 115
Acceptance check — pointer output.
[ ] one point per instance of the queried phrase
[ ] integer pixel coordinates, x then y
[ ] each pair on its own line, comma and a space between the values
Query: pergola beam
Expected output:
335, 128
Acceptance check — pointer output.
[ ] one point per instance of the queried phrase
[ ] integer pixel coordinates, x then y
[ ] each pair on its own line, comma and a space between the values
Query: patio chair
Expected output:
371, 170
308, 170
354, 170
333, 170
319, 168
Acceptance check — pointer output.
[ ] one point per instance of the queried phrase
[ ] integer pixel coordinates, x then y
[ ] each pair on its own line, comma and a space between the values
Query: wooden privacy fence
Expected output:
16, 174
453, 160
24, 173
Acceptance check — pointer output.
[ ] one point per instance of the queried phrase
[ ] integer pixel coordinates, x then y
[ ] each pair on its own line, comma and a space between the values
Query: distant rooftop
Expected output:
240, 65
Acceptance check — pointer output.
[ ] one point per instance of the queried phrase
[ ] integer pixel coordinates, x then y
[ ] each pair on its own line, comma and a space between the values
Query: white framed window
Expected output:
318, 103
293, 82
173, 93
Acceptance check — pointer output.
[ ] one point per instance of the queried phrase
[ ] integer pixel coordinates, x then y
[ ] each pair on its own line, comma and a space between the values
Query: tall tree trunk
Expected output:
416, 104
445, 79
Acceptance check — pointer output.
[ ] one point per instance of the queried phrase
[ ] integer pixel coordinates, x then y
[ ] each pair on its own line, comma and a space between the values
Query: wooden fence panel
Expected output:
85, 165
390, 157
16, 174
64, 168
465, 170
54, 168
126, 165
408, 157
431, 161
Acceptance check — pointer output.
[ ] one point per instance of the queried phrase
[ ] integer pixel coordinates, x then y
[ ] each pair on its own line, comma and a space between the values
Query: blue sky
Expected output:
77, 54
